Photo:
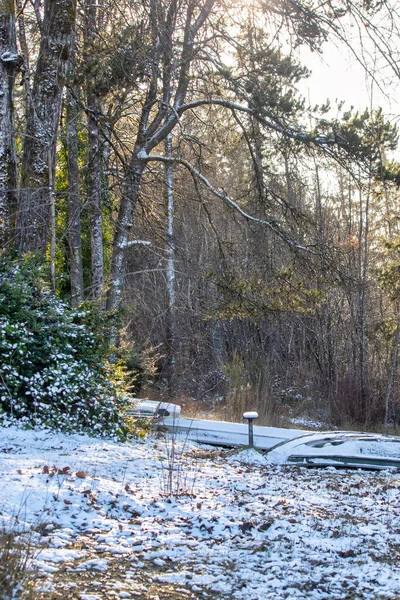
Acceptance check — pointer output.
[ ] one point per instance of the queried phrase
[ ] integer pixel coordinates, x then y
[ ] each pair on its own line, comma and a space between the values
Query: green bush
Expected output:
53, 368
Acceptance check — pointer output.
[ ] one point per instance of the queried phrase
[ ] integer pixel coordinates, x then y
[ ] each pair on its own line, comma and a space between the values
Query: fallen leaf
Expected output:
81, 474
64, 471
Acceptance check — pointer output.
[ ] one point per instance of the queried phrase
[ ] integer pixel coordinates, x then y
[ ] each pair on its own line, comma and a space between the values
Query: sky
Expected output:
337, 75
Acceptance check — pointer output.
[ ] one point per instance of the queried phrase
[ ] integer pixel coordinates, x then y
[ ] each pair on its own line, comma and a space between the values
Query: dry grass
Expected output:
16, 574
179, 467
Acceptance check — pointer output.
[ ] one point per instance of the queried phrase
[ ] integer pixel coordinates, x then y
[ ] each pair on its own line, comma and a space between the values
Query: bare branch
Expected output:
137, 243
273, 226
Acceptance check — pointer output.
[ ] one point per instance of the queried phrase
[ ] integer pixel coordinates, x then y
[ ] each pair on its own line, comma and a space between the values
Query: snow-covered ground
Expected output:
244, 529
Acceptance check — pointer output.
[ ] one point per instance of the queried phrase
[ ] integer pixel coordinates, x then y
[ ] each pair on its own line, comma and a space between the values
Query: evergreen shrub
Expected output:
53, 368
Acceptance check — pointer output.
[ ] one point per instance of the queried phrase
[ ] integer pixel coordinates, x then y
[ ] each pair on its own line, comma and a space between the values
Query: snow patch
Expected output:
249, 457
244, 532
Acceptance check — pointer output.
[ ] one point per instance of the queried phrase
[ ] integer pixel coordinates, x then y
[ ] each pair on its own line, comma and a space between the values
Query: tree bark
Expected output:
74, 203
9, 64
94, 199
392, 368
122, 232
154, 130
23, 44
171, 307
53, 240
94, 162
39, 149
365, 404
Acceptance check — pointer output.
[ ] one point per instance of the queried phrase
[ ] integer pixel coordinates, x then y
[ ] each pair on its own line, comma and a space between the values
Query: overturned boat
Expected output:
221, 433
346, 449
339, 449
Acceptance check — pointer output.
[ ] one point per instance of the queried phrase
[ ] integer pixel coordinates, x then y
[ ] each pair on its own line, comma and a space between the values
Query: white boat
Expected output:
339, 449
221, 433
152, 409
283, 446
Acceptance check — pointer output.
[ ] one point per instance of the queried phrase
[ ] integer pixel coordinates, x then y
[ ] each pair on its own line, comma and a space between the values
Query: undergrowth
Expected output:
17, 575
54, 371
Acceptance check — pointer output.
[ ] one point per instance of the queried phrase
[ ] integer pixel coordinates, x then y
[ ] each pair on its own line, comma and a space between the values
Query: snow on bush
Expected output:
53, 370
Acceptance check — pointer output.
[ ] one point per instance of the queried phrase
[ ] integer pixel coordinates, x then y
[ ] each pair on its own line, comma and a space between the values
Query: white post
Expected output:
251, 416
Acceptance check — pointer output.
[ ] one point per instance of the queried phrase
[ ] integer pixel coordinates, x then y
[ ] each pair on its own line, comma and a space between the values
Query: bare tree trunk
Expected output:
9, 64
122, 232
326, 335
94, 200
155, 123
392, 370
171, 308
94, 164
105, 156
74, 203
25, 55
39, 150
53, 241
258, 154
362, 317
289, 186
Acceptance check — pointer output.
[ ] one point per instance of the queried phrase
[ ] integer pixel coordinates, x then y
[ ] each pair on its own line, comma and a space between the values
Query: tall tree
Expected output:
44, 110
160, 112
74, 195
185, 74
171, 276
94, 155
10, 61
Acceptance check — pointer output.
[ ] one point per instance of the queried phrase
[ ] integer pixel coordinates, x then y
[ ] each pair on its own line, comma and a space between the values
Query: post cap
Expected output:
250, 415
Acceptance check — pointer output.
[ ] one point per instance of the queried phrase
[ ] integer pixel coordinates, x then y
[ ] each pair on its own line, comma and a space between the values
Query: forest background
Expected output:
233, 243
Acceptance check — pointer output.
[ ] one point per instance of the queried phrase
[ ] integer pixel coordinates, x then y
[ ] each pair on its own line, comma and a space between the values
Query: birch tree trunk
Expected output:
171, 308
9, 64
155, 123
361, 306
39, 149
122, 232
